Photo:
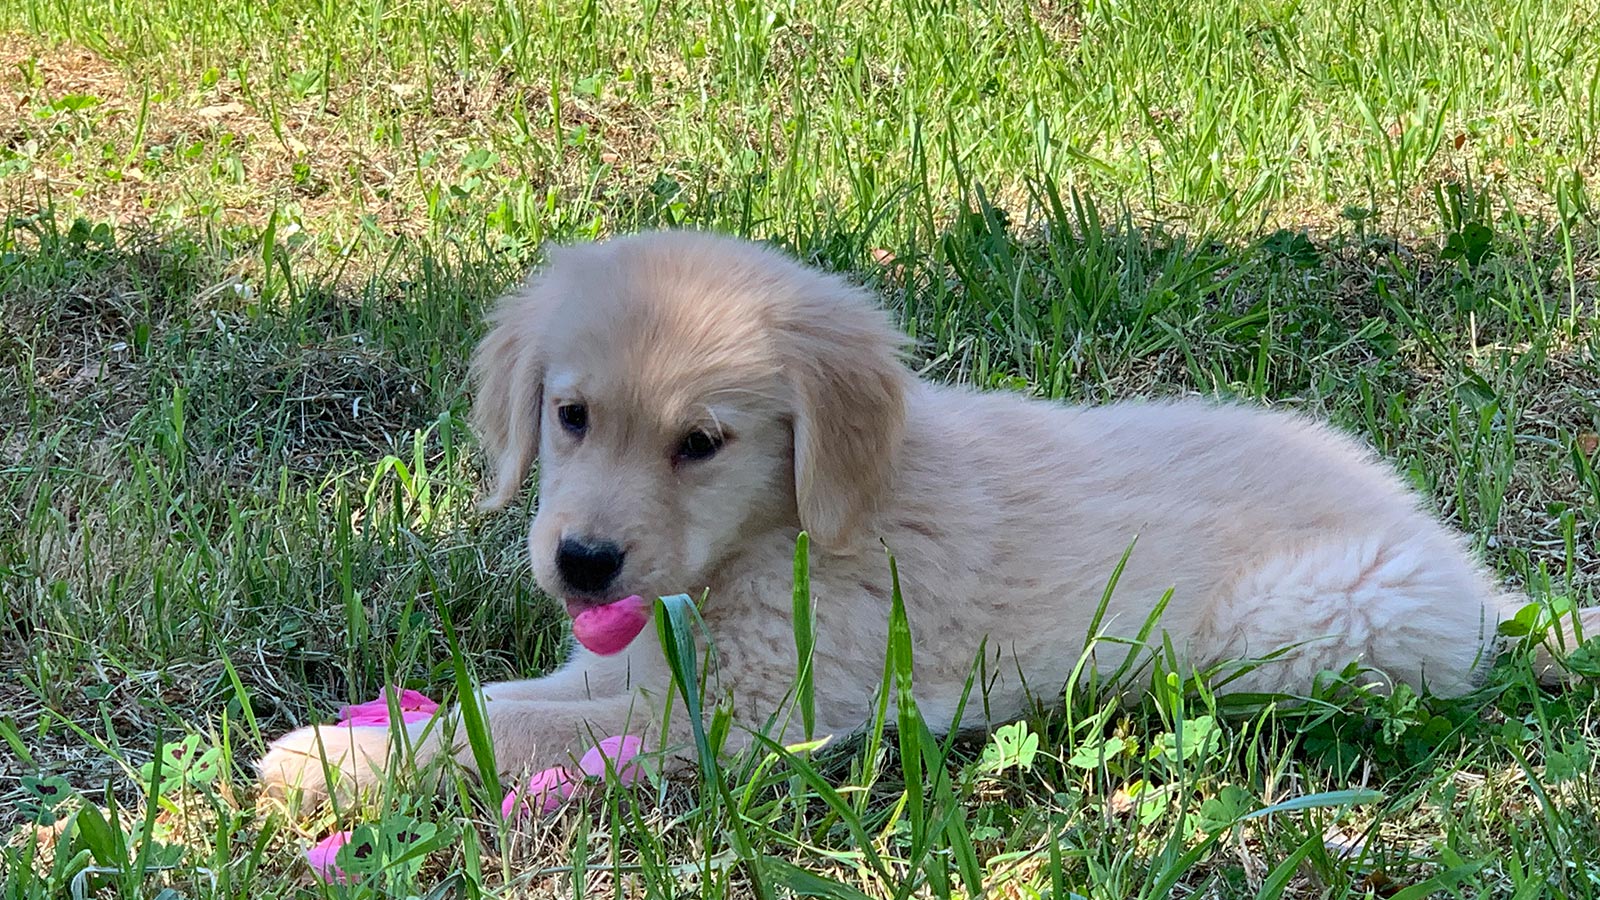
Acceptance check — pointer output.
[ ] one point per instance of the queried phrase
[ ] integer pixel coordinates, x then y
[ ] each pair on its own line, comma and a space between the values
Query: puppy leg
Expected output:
1546, 655
525, 735
358, 757
530, 734
588, 675
1411, 606
343, 760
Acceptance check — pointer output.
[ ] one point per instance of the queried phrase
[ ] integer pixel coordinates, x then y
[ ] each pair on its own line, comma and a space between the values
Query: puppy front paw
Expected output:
304, 761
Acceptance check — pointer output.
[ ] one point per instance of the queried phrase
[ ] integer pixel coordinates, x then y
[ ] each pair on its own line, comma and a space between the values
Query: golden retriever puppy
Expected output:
694, 401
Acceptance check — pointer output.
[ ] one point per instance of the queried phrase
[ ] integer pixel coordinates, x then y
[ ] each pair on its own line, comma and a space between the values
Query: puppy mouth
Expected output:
577, 605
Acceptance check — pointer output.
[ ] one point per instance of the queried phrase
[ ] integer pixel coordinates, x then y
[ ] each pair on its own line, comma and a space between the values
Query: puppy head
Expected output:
682, 393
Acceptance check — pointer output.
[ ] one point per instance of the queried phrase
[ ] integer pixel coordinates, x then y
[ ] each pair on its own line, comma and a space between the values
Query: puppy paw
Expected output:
343, 761
1549, 658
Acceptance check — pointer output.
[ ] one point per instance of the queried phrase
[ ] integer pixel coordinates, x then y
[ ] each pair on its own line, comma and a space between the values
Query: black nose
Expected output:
588, 567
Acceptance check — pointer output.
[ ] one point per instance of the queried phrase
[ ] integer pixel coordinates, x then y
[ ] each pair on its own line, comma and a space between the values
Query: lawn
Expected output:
245, 248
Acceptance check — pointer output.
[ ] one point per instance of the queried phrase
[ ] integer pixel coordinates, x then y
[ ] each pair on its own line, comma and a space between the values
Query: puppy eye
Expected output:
699, 445
574, 417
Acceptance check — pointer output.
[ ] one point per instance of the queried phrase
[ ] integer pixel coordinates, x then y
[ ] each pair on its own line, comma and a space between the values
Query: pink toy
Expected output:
414, 707
322, 854
546, 790
620, 750
544, 793
609, 629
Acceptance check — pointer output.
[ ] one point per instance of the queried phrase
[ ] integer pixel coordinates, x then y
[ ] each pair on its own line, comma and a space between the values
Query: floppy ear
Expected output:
849, 389
507, 373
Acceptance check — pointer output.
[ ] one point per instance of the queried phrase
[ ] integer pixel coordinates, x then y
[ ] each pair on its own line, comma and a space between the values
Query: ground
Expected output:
246, 247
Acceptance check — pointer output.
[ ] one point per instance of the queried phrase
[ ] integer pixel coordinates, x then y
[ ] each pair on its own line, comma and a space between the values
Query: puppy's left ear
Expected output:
507, 374
843, 359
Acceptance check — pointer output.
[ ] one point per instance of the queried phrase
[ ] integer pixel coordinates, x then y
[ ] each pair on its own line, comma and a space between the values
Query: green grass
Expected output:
246, 248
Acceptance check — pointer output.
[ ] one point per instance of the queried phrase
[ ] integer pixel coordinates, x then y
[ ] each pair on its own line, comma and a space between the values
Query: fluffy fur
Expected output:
1006, 515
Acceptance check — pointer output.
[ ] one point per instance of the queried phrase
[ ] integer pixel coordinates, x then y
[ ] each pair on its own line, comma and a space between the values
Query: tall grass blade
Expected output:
805, 636
470, 703
674, 620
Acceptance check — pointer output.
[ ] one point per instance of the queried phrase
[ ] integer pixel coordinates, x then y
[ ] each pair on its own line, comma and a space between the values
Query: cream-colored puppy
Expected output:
694, 401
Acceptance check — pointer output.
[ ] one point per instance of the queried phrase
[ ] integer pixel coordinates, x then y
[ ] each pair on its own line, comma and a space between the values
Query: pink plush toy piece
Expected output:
414, 707
322, 854
546, 790
611, 628
621, 751
544, 793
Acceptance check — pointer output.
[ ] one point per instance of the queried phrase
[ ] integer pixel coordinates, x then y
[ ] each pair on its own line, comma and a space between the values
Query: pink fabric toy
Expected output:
547, 790
609, 629
544, 793
414, 707
322, 854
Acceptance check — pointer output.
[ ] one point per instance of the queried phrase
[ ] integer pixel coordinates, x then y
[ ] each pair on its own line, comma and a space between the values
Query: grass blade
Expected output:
1273, 886
470, 703
805, 637
674, 617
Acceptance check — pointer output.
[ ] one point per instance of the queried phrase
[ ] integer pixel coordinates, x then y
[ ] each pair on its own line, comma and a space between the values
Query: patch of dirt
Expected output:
339, 397
340, 164
76, 321
31, 68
